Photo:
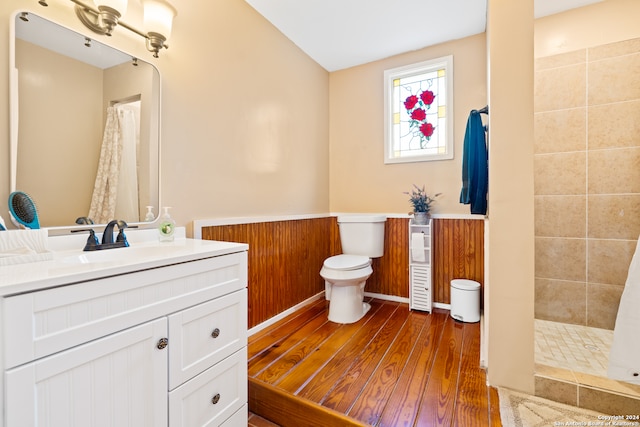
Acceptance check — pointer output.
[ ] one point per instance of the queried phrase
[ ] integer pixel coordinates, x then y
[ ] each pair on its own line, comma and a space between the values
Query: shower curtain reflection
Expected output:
115, 192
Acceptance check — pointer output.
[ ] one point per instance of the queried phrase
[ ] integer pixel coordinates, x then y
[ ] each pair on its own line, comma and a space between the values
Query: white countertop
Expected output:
70, 264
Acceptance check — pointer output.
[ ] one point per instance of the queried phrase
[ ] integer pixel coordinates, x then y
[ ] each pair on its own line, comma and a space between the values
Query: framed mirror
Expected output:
85, 123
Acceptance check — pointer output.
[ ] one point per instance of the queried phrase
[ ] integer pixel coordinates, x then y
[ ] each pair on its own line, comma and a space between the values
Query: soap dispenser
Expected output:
167, 226
149, 217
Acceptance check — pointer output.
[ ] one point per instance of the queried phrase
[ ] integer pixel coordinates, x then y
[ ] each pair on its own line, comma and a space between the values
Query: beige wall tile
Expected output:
560, 216
607, 403
625, 47
609, 260
560, 301
614, 171
561, 60
560, 88
613, 216
563, 173
614, 80
608, 384
560, 131
602, 305
614, 125
560, 258
558, 391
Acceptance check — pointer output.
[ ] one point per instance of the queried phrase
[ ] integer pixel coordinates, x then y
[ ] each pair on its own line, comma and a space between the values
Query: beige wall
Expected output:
57, 158
245, 112
587, 155
509, 248
360, 181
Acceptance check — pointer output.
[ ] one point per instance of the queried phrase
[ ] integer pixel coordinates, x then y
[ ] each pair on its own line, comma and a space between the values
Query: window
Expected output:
418, 102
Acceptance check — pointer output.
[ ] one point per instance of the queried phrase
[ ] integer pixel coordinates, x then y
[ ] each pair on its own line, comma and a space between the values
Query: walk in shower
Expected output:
587, 218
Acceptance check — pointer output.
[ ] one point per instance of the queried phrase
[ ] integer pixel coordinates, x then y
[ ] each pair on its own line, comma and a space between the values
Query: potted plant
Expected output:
421, 203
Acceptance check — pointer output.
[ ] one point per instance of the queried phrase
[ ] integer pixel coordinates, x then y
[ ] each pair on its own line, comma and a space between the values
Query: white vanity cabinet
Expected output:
161, 346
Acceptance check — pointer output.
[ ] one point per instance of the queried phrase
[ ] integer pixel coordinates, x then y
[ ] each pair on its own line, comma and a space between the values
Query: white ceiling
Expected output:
344, 33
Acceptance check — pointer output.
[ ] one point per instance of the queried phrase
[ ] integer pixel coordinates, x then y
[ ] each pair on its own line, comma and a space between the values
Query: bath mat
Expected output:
523, 410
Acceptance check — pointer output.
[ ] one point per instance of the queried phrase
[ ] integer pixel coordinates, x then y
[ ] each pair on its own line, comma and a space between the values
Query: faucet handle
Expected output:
122, 238
92, 241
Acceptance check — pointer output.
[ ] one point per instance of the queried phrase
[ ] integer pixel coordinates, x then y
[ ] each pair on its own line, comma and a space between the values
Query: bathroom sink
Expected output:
118, 255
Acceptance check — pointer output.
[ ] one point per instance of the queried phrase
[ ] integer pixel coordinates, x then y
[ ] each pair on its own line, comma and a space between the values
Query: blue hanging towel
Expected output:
475, 162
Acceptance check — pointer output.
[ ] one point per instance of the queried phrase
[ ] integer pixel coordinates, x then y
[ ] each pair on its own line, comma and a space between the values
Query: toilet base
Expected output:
346, 304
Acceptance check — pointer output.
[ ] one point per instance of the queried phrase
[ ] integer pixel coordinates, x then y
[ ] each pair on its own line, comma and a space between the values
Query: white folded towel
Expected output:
417, 247
22, 246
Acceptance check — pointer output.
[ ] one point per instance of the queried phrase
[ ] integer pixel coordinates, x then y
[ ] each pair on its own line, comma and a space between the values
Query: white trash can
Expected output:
465, 300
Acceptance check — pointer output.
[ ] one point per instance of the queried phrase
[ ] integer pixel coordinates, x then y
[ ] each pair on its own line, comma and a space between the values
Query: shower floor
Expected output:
573, 347
571, 367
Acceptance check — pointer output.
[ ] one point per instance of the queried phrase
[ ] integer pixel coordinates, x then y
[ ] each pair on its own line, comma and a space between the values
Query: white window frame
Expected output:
412, 70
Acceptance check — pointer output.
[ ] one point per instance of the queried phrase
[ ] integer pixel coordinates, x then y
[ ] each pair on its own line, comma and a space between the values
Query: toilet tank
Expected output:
362, 234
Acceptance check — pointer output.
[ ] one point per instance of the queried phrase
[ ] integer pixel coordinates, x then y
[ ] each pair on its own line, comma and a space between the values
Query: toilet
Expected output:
345, 275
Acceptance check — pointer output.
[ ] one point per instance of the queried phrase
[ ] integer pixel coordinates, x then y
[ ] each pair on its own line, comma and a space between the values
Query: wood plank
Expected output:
290, 411
297, 353
372, 400
318, 387
269, 337
438, 401
494, 407
472, 406
277, 350
403, 406
308, 368
347, 390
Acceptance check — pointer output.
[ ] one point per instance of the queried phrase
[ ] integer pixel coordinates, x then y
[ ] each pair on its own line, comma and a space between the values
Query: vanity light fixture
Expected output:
104, 16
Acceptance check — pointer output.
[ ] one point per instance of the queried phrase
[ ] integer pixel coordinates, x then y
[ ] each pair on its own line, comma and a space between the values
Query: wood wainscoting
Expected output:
285, 258
458, 253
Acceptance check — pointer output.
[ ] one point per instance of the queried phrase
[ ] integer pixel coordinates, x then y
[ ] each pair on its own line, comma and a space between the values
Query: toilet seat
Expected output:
347, 262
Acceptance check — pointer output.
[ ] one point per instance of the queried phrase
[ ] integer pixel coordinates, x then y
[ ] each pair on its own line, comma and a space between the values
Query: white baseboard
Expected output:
316, 297
442, 305
284, 314
387, 297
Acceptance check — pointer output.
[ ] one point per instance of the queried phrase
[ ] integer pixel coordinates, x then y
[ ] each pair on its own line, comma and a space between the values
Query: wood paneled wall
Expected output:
285, 258
458, 253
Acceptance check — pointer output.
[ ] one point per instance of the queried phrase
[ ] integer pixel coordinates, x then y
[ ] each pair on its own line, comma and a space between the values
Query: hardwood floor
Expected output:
394, 367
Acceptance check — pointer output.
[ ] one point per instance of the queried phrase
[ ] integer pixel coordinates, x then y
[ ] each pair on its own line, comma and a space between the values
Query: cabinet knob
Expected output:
162, 343
215, 333
215, 399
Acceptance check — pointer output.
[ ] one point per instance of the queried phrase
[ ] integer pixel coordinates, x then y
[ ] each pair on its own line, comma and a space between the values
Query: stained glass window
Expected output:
418, 106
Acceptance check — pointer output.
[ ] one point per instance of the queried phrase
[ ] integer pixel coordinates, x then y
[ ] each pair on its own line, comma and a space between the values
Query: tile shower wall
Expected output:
587, 181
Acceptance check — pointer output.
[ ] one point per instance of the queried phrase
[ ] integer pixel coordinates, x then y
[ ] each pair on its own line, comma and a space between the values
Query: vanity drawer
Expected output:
201, 336
41, 323
213, 396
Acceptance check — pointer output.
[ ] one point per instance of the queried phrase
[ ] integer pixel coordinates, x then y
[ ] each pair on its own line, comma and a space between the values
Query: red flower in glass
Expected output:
418, 114
410, 102
426, 129
427, 97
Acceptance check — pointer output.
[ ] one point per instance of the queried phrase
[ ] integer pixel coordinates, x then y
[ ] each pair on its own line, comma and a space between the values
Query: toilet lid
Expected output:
347, 262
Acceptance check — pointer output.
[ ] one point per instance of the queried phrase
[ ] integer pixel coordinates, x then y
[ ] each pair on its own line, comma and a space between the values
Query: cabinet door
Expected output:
119, 380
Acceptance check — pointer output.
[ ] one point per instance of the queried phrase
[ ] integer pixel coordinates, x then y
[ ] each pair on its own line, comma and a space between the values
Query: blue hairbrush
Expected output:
23, 210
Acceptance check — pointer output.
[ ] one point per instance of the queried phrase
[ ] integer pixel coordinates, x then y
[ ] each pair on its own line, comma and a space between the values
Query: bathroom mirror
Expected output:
84, 126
